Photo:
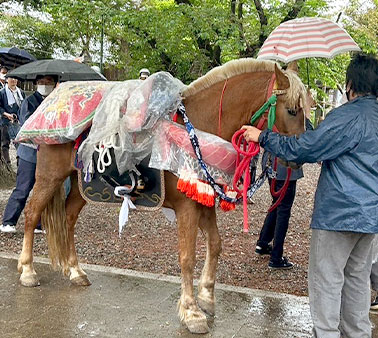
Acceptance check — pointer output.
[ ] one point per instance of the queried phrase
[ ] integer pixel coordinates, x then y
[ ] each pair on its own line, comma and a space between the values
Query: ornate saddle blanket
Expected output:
101, 188
65, 113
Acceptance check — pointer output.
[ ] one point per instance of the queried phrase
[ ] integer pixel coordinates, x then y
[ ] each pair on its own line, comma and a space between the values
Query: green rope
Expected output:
272, 112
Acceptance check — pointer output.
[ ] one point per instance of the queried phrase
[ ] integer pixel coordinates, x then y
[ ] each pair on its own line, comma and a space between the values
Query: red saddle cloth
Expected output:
64, 114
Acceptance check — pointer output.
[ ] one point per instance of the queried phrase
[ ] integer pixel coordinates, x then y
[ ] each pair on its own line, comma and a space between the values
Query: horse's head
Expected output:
224, 99
292, 104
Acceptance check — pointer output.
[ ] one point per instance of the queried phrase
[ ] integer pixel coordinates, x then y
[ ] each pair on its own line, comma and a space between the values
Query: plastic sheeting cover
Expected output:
125, 120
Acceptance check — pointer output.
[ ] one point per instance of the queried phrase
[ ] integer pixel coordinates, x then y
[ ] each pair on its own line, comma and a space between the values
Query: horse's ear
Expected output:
293, 65
282, 80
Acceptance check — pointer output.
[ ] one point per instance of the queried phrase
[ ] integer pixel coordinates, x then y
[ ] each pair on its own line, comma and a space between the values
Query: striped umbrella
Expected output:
14, 57
304, 38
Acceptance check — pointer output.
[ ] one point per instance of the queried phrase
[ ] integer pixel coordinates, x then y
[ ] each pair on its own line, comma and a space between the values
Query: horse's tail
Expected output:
54, 221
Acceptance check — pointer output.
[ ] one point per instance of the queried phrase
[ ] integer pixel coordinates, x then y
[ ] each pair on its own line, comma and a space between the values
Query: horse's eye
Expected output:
292, 112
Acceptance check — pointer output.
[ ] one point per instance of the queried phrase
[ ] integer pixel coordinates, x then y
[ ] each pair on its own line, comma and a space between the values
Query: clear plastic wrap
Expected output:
173, 151
126, 120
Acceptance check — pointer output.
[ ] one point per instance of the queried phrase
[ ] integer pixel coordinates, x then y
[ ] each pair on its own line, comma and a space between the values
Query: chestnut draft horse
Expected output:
246, 89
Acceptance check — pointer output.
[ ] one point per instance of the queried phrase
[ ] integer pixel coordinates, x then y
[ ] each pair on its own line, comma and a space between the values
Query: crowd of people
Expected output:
343, 253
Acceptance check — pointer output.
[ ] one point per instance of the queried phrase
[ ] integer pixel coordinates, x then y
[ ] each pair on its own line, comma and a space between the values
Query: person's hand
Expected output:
251, 134
8, 116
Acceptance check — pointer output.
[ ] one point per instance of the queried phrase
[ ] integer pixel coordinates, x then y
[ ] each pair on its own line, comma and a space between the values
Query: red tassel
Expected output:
228, 206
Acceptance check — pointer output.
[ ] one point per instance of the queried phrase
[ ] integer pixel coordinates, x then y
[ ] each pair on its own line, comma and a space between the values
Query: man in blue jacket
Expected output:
345, 217
27, 154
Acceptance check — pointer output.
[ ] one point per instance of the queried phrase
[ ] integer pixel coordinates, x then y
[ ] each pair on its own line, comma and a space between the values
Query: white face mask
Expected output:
2, 76
45, 90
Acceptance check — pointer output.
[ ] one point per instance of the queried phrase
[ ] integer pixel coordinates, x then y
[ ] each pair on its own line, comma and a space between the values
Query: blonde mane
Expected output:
246, 65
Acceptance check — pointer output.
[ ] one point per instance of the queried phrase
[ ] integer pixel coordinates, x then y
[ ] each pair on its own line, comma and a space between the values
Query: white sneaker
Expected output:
7, 228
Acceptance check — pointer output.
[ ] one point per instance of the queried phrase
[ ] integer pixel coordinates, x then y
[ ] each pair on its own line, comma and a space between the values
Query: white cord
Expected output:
103, 149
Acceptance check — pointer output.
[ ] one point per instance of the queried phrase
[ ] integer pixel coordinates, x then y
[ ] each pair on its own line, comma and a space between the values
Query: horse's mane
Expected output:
246, 65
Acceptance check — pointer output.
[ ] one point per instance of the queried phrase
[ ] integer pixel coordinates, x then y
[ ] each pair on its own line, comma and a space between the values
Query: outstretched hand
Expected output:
251, 134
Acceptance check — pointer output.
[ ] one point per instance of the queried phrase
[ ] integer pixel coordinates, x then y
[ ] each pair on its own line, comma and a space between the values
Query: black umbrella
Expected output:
14, 57
65, 70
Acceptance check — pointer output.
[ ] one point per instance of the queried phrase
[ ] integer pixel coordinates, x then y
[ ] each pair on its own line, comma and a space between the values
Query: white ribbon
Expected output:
127, 204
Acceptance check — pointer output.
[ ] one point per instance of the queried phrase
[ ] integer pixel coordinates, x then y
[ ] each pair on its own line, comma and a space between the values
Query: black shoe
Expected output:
283, 264
374, 304
266, 250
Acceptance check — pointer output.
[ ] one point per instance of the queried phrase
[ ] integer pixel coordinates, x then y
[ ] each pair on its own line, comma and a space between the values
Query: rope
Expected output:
281, 192
104, 156
243, 168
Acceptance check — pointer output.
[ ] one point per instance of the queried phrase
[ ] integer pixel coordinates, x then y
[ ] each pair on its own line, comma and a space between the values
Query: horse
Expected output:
240, 87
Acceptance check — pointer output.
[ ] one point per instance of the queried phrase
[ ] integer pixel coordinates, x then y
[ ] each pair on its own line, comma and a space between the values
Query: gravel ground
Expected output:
147, 243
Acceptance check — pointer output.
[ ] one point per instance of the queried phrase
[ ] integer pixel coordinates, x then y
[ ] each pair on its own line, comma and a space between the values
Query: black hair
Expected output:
362, 74
55, 77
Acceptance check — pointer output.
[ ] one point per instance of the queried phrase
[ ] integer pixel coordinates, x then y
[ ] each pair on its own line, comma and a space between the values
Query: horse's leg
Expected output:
42, 193
206, 297
188, 216
74, 204
50, 174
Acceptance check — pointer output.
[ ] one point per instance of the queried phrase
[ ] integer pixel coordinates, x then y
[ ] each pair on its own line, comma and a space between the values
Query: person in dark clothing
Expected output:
11, 98
276, 222
27, 154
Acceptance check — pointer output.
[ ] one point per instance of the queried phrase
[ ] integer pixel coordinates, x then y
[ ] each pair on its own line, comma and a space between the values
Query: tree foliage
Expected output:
184, 37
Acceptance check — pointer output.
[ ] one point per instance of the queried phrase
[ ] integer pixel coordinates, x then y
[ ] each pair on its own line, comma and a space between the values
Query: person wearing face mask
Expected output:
345, 219
11, 98
27, 155
3, 73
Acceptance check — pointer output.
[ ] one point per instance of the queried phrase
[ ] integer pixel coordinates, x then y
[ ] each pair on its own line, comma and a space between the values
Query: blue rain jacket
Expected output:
346, 142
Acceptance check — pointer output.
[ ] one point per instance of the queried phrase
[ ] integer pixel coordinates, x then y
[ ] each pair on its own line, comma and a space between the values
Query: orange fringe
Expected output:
198, 190
228, 206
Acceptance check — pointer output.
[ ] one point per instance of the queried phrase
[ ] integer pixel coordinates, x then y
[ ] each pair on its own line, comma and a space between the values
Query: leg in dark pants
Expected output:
5, 142
24, 184
277, 221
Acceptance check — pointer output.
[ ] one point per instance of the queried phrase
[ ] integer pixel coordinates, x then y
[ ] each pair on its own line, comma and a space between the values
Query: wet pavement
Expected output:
125, 303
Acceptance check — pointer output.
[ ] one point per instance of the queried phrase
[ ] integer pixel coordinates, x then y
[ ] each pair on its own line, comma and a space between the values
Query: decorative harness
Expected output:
247, 154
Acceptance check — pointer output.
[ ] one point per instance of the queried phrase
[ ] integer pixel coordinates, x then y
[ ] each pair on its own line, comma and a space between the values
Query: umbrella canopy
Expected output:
14, 57
304, 38
65, 70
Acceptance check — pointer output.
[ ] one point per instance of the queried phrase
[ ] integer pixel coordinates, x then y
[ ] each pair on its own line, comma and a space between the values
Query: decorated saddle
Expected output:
147, 189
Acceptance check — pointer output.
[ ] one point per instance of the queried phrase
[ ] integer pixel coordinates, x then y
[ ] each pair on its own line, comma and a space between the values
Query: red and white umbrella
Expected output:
304, 38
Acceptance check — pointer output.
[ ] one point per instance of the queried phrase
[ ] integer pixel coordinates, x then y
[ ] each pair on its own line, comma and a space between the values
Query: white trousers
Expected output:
339, 283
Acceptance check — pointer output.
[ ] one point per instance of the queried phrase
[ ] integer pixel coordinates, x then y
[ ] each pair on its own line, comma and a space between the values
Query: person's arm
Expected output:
338, 133
24, 113
3, 112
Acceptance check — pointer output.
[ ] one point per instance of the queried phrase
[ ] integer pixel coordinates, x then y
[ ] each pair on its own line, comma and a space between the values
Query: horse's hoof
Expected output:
208, 307
198, 325
29, 281
81, 281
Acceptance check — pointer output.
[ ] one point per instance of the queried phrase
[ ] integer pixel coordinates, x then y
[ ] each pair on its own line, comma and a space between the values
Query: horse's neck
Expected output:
242, 96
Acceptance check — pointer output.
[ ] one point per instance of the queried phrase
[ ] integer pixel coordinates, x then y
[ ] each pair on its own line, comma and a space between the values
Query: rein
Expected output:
281, 192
